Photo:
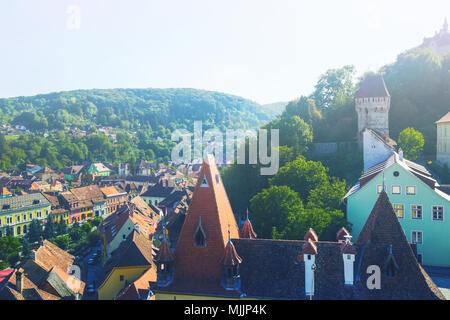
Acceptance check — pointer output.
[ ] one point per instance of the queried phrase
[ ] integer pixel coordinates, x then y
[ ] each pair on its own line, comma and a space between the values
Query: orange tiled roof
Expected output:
5, 192
212, 205
445, 118
110, 191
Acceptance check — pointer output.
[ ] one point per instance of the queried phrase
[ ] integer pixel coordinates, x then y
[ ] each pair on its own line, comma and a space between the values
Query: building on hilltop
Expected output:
440, 42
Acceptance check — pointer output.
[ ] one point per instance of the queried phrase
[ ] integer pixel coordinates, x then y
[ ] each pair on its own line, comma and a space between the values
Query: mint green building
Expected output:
421, 205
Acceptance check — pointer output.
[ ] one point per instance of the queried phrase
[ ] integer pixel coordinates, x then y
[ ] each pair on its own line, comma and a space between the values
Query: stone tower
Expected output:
372, 105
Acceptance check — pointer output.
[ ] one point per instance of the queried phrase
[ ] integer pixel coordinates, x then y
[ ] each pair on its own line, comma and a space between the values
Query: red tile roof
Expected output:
311, 234
164, 254
212, 205
445, 118
230, 257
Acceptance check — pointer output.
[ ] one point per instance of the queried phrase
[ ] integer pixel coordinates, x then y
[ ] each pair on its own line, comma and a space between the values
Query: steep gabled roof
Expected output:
139, 289
444, 119
211, 205
381, 235
373, 86
419, 171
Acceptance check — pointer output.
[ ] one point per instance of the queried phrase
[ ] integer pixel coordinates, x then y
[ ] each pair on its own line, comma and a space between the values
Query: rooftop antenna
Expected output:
229, 234
384, 189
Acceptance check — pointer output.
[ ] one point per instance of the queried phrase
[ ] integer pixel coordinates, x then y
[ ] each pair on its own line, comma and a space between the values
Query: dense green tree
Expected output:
10, 248
411, 141
333, 83
35, 231
93, 237
277, 212
301, 176
62, 241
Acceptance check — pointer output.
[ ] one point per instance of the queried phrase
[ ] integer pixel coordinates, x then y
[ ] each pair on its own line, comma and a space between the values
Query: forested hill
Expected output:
133, 109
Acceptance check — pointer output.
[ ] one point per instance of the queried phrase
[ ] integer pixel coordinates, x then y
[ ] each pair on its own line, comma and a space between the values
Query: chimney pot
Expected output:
19, 280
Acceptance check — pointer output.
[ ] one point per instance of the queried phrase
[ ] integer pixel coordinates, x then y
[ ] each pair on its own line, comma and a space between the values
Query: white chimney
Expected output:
348, 256
310, 264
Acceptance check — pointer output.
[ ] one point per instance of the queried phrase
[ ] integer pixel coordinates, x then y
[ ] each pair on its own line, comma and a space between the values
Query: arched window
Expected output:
18, 230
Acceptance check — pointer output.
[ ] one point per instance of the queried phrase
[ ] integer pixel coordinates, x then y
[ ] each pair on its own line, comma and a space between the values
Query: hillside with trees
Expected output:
133, 109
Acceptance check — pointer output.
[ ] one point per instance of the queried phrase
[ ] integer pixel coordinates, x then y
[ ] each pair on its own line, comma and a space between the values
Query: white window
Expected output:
417, 237
30, 215
411, 190
396, 189
438, 213
416, 211
399, 210
18, 218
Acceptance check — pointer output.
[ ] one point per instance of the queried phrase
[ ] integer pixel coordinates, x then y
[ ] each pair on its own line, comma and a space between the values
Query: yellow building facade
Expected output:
119, 278
16, 213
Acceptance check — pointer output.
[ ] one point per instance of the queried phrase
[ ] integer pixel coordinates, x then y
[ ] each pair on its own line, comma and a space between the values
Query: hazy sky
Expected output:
266, 51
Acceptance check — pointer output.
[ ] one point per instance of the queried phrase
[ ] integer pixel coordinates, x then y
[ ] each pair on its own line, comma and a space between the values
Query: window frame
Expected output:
417, 232
392, 189
432, 213
421, 211
403, 210
411, 194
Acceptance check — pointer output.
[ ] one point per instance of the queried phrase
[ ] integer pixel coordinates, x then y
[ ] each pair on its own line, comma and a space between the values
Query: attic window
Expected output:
200, 236
396, 173
36, 201
204, 182
6, 207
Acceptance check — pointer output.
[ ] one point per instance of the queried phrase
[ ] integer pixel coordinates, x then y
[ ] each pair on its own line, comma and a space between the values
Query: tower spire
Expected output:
445, 27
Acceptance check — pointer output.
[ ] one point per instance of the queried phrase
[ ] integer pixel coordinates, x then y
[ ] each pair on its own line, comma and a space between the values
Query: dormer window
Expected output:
217, 179
204, 182
199, 235
390, 267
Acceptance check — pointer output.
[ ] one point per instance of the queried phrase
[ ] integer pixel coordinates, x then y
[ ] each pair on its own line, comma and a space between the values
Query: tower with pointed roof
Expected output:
373, 102
204, 236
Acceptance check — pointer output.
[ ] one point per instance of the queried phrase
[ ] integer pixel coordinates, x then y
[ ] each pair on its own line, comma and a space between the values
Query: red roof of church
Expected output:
210, 204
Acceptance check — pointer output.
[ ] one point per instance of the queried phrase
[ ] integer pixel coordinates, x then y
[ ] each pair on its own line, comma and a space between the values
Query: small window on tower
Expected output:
199, 235
204, 182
